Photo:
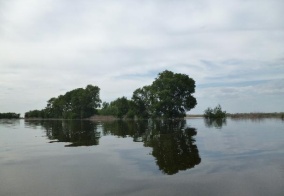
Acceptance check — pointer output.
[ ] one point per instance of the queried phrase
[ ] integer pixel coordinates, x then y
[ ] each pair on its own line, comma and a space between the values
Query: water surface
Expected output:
190, 157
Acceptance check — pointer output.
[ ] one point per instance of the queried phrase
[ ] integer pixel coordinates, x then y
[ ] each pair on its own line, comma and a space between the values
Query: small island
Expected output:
216, 113
168, 97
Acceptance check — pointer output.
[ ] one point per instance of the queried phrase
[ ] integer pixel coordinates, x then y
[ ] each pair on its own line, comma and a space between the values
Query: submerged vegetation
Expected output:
9, 115
169, 96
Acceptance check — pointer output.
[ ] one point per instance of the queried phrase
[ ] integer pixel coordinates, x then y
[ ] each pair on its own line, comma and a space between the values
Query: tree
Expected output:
106, 109
121, 105
215, 113
9, 115
142, 99
77, 103
169, 96
34, 114
119, 108
173, 94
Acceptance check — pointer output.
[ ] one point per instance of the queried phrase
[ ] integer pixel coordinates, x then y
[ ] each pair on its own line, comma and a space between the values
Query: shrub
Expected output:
215, 113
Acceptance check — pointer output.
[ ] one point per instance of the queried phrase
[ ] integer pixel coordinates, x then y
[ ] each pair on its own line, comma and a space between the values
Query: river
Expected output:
188, 157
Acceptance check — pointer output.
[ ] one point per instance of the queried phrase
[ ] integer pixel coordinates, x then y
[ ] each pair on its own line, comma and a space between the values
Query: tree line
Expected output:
9, 115
169, 96
75, 104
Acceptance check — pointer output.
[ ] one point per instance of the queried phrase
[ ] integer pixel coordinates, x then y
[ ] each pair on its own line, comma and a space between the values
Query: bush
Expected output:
215, 113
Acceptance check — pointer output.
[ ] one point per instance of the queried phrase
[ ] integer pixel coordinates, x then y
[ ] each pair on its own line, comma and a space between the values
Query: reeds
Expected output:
257, 115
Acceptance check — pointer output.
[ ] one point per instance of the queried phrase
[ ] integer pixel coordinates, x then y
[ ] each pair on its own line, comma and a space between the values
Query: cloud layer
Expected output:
232, 49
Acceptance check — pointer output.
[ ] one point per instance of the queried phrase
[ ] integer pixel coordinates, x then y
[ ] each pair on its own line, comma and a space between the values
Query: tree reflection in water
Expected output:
216, 123
77, 133
173, 146
172, 142
10, 122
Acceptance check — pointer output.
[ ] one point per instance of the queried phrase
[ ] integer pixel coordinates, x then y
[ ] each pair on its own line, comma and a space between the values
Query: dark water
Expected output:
190, 157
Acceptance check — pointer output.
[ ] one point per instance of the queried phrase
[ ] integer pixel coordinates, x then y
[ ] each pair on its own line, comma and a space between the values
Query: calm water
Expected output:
191, 157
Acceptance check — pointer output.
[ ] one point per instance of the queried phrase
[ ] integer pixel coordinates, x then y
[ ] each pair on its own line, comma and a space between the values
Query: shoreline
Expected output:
189, 116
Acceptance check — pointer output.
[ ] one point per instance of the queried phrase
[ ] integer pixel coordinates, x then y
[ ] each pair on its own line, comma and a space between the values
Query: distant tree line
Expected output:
257, 115
169, 96
9, 115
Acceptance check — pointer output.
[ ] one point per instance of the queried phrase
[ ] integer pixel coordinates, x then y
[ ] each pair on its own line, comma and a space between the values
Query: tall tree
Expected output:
173, 94
120, 107
169, 96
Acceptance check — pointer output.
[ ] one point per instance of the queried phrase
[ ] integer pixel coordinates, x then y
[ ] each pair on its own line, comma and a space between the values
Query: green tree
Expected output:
9, 115
34, 114
142, 100
169, 96
90, 101
120, 108
77, 103
173, 94
106, 109
216, 113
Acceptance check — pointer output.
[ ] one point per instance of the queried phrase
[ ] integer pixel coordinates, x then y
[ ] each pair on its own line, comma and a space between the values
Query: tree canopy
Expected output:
172, 95
216, 113
169, 96
118, 108
9, 115
78, 103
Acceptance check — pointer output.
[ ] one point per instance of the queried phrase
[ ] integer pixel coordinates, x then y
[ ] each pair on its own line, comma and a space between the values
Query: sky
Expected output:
233, 49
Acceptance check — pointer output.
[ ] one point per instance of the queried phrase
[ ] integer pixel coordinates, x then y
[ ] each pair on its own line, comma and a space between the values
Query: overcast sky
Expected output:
233, 49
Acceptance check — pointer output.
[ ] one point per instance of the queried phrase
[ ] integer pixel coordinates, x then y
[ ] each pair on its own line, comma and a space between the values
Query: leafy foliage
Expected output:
78, 103
119, 108
9, 115
169, 96
215, 113
142, 101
